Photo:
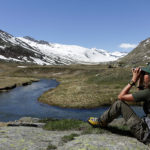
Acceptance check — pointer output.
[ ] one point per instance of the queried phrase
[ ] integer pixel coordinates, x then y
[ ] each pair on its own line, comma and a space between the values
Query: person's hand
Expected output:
140, 80
136, 74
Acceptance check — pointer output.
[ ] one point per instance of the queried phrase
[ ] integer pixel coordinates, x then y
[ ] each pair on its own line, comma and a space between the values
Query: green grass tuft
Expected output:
68, 124
50, 147
70, 137
61, 125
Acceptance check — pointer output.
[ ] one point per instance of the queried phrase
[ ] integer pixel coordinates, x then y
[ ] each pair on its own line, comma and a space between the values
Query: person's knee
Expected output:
118, 102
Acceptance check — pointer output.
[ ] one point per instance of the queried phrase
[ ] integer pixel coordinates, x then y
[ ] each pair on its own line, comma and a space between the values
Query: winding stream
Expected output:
22, 102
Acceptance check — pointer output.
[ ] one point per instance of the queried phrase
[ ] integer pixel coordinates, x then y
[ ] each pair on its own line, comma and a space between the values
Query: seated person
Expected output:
139, 127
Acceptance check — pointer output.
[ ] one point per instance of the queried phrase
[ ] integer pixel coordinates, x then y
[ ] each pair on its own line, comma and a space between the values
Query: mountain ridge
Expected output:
29, 50
139, 55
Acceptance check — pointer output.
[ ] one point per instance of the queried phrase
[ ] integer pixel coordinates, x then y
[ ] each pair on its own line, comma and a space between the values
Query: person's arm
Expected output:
124, 94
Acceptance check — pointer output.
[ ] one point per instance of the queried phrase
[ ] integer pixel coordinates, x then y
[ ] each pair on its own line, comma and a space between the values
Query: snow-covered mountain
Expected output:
27, 49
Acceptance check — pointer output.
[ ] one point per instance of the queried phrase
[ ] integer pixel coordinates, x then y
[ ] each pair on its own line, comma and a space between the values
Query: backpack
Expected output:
146, 108
146, 138
147, 120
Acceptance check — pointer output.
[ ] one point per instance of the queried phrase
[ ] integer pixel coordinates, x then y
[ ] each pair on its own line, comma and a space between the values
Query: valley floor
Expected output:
87, 86
81, 86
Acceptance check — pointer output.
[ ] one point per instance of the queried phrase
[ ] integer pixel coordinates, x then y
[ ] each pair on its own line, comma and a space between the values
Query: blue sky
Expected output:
103, 24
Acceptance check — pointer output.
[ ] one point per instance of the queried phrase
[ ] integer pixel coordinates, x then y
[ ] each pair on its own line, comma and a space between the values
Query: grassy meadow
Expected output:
88, 87
81, 86
8, 81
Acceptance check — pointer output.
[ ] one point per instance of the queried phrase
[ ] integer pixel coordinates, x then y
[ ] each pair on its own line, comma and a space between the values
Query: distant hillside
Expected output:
139, 56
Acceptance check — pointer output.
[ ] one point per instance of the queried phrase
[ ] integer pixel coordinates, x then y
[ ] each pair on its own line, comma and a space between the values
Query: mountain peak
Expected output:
139, 55
30, 38
4, 34
37, 41
144, 42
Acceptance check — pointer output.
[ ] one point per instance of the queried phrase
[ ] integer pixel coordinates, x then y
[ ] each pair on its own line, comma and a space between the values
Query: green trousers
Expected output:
137, 126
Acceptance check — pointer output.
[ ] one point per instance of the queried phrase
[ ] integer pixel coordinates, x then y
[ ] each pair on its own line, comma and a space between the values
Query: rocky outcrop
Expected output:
28, 134
29, 138
35, 138
104, 142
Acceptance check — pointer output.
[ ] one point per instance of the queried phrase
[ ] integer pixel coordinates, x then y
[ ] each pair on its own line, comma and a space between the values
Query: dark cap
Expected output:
146, 69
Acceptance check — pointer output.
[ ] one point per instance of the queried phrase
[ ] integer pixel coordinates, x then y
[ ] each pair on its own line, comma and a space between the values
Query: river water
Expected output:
22, 102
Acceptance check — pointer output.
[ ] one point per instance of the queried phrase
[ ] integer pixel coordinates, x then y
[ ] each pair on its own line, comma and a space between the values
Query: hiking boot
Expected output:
95, 122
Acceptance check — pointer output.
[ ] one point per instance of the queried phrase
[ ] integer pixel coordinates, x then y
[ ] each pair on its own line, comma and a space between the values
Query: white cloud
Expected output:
127, 45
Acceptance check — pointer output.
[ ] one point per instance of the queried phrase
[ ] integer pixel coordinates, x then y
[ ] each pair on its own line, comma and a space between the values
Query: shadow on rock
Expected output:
116, 130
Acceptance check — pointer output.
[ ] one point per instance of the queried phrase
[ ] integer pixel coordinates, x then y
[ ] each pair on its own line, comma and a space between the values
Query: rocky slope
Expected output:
13, 49
104, 141
35, 138
139, 55
29, 50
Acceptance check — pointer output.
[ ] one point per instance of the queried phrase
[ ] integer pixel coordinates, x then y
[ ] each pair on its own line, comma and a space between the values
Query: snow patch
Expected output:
9, 58
39, 61
2, 47
22, 66
2, 57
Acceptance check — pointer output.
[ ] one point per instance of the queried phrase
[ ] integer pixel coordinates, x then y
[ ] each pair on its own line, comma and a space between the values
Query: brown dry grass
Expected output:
81, 86
88, 88
8, 80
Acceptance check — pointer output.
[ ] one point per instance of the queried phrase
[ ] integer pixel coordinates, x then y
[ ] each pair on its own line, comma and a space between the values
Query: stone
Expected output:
29, 119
